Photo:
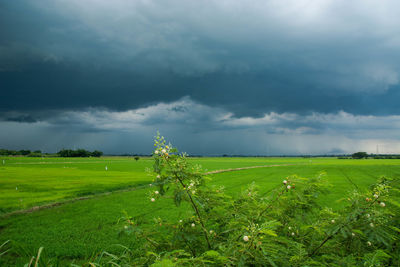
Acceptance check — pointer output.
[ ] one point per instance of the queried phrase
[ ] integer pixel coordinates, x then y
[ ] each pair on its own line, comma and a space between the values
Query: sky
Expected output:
254, 77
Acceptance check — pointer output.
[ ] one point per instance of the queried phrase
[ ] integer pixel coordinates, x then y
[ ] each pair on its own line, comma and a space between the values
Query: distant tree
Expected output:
66, 153
359, 155
136, 158
82, 153
96, 153
37, 151
24, 152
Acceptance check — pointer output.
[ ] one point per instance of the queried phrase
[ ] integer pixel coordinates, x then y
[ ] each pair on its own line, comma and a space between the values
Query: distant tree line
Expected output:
386, 156
365, 155
7, 152
67, 153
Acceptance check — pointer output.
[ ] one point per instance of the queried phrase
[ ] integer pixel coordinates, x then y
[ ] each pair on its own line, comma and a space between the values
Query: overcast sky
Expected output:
260, 77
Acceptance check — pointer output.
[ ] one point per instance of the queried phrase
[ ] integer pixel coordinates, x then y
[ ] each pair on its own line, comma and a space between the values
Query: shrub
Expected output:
288, 227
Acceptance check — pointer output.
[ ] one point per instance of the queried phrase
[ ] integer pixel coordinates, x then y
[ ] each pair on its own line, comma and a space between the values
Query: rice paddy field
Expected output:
94, 193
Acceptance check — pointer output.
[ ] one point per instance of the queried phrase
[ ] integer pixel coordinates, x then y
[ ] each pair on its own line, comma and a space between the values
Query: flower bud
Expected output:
153, 199
284, 181
382, 204
245, 238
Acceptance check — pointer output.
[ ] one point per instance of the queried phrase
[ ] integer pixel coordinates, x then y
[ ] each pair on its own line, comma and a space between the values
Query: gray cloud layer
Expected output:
202, 129
251, 58
247, 61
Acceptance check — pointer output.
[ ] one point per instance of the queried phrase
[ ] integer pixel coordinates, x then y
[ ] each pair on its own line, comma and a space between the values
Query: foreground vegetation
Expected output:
286, 227
77, 232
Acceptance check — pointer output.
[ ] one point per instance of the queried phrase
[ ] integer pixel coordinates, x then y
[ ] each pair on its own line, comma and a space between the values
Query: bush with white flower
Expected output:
286, 227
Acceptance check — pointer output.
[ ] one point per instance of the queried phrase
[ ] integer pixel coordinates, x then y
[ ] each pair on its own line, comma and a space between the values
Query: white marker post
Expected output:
106, 168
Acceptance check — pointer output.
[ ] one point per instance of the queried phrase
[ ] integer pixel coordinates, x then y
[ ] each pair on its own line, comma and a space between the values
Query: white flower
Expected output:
180, 221
156, 152
382, 204
126, 226
369, 243
193, 192
288, 187
293, 233
150, 184
376, 195
353, 234
193, 225
158, 176
164, 151
284, 181
211, 231
156, 192
153, 199
371, 224
368, 215
290, 228
191, 184
245, 238
332, 221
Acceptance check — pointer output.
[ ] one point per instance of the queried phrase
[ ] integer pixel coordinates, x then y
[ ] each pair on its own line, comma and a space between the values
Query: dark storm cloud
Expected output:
22, 118
283, 56
215, 77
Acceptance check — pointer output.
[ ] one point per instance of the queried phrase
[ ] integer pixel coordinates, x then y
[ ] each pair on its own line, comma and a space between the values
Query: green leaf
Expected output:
269, 232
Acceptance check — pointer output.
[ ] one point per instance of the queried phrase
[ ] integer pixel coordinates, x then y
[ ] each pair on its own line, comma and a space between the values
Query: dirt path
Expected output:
55, 204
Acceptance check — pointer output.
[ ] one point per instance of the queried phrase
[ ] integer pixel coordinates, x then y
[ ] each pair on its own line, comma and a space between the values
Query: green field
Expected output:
77, 230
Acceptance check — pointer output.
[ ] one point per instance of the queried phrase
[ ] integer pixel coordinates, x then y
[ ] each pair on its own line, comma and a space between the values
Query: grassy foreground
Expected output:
79, 230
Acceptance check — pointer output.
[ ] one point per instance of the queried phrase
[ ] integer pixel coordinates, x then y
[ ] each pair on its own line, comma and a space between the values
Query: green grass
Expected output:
26, 182
80, 229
